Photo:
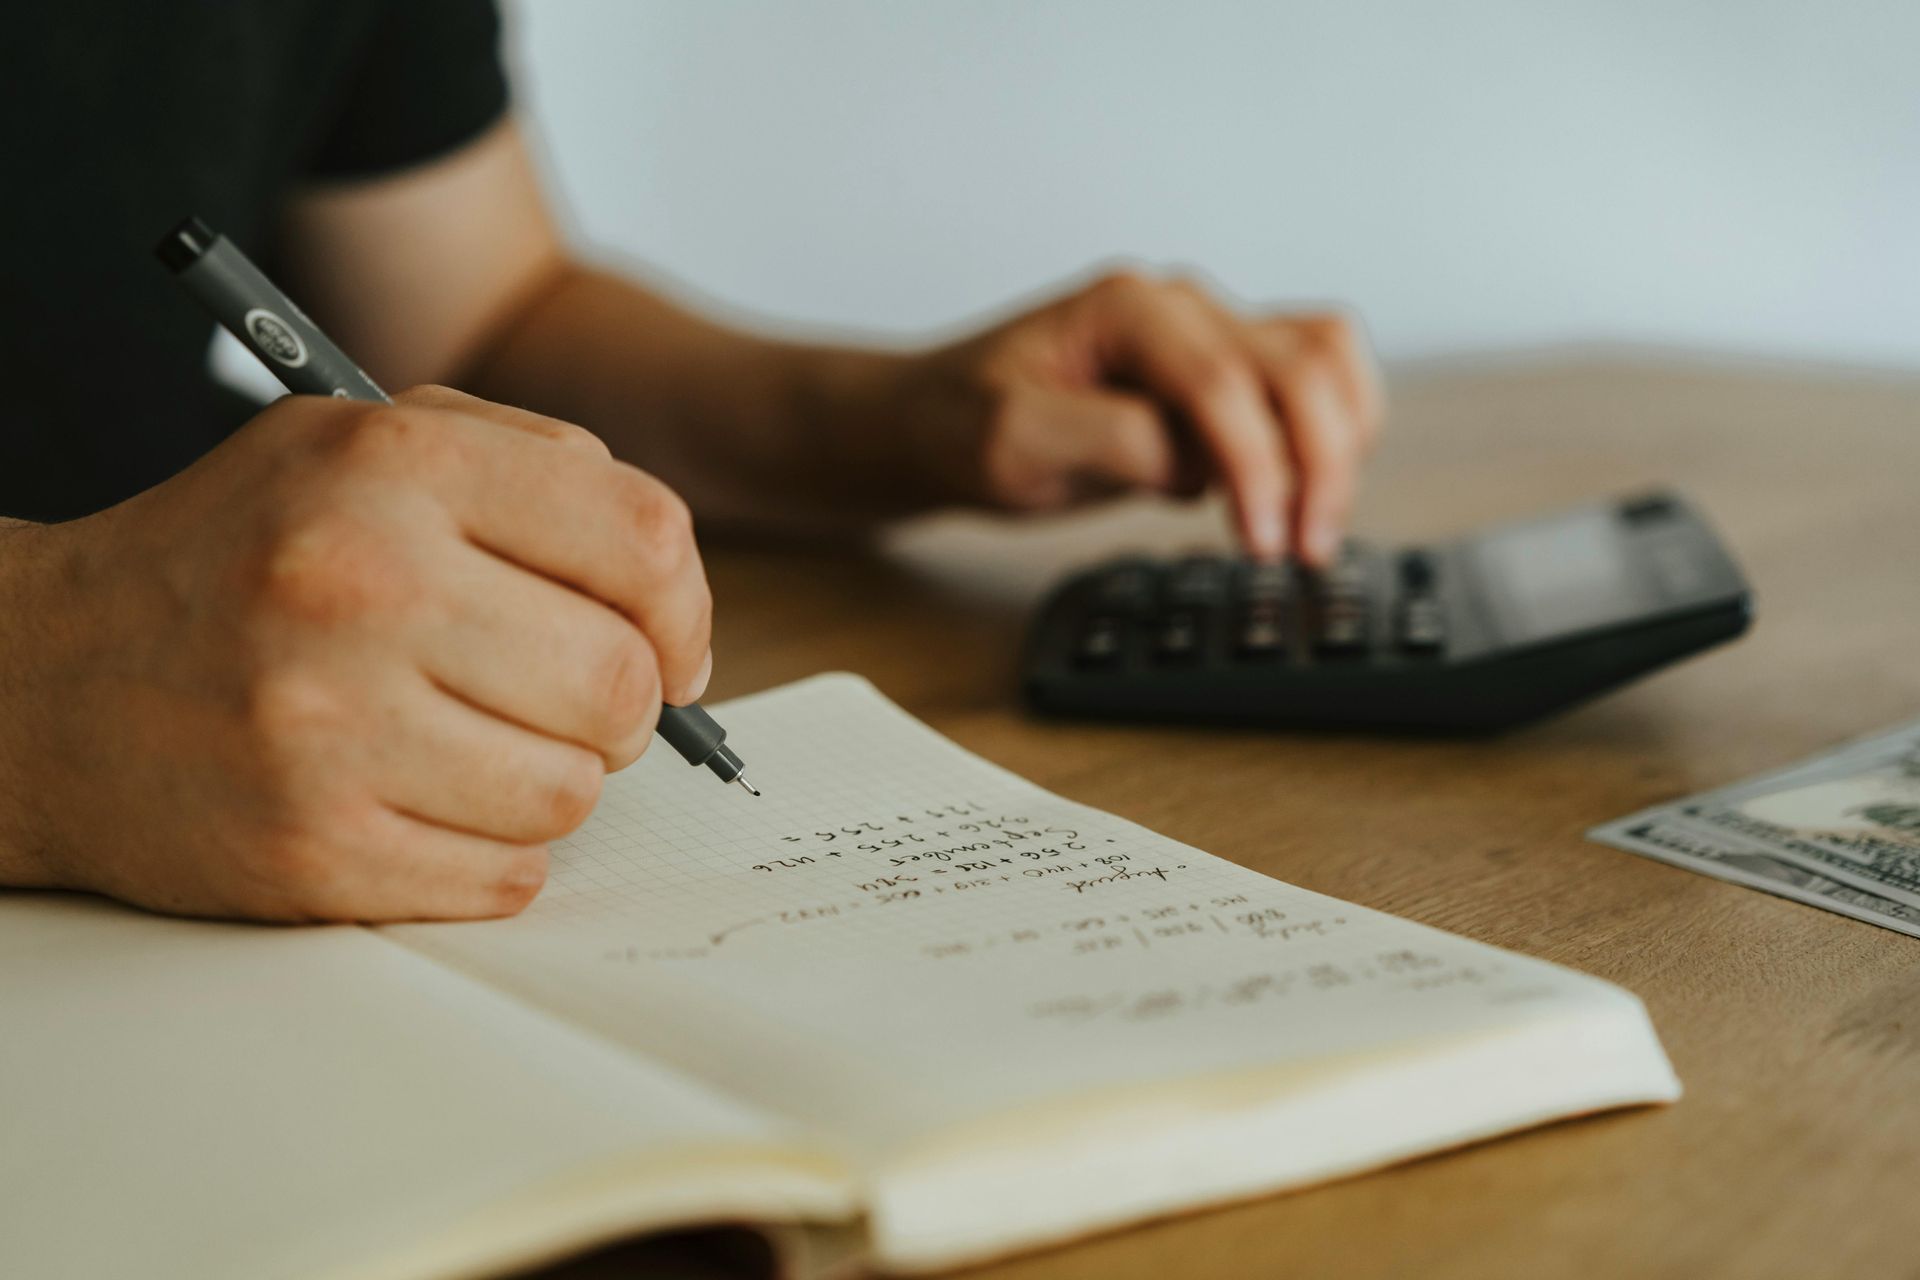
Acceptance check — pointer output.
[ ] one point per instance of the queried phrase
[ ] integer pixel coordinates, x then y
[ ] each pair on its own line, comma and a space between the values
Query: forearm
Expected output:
23, 566
756, 434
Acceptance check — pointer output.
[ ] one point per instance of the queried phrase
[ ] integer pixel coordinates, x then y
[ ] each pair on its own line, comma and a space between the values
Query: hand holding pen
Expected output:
361, 661
291, 346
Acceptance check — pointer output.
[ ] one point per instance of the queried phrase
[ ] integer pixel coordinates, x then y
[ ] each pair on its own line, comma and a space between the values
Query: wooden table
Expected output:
1796, 1151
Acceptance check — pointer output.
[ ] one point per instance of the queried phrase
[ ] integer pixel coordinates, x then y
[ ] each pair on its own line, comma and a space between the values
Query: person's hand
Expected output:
358, 663
1142, 383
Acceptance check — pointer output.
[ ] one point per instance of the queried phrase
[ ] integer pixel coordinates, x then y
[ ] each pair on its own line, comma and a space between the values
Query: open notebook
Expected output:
905, 987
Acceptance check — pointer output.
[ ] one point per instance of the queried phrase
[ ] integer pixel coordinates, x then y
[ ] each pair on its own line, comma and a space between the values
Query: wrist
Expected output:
33, 561
892, 423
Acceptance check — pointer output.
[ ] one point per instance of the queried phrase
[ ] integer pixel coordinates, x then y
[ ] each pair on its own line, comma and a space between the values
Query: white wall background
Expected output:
1731, 174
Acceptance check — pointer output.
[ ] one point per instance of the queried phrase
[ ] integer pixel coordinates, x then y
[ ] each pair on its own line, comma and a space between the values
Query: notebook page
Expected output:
899, 936
185, 1099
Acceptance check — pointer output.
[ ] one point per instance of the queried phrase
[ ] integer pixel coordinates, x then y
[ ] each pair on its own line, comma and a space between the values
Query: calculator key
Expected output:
1264, 581
1262, 633
1423, 627
1127, 589
1331, 586
1347, 575
1342, 628
1100, 643
1416, 571
1345, 579
1198, 580
1178, 639
1345, 611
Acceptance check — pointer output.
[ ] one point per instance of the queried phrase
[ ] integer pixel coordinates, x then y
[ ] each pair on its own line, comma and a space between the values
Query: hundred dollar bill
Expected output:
1714, 853
1855, 819
1840, 828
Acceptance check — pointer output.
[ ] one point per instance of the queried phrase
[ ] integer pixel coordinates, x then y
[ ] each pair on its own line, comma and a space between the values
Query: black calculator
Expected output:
1492, 630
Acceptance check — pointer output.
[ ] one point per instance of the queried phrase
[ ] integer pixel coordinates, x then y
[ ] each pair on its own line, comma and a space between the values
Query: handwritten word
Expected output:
1406, 970
964, 809
1063, 840
787, 864
1143, 927
1123, 874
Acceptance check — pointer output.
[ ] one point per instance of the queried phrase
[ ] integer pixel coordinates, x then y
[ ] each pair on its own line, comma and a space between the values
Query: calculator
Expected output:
1492, 630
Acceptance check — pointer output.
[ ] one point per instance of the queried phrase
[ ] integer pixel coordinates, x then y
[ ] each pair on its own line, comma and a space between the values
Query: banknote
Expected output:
1855, 819
1742, 862
1840, 830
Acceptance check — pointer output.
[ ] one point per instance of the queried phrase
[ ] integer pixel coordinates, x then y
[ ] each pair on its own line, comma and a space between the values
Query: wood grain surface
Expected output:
1796, 1150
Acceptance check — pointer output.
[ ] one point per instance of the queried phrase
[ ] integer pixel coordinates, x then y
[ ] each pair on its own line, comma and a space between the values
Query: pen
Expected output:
247, 305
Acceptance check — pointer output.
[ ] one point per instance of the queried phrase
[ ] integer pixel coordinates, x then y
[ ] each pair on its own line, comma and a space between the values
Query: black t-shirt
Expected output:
123, 118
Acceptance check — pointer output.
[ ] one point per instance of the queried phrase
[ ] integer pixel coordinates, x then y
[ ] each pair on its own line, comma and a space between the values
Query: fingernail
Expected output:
700, 681
1323, 542
1264, 530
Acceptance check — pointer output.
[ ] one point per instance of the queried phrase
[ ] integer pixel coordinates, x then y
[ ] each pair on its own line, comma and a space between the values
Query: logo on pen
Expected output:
276, 338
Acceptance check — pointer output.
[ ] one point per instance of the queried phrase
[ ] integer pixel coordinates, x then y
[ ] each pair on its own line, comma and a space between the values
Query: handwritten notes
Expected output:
915, 933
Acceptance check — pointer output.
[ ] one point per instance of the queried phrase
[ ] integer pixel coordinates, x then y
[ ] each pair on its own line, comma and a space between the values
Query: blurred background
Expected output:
1733, 176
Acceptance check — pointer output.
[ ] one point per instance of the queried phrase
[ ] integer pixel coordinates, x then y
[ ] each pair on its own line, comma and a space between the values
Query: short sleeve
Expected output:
427, 79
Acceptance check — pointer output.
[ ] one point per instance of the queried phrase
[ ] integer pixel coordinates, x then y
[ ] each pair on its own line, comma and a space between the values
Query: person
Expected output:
342, 661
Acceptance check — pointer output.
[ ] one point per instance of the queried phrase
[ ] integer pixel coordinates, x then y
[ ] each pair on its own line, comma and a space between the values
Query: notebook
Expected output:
905, 990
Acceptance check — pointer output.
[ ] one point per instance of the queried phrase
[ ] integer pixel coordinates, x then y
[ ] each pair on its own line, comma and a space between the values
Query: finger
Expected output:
1066, 445
451, 764
527, 649
406, 869
1322, 436
1340, 338
429, 396
1179, 352
601, 527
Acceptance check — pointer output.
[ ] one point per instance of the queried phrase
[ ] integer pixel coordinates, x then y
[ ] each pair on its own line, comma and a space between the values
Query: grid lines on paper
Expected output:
670, 852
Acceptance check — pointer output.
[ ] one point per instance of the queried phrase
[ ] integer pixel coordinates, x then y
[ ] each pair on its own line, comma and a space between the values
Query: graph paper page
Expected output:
899, 935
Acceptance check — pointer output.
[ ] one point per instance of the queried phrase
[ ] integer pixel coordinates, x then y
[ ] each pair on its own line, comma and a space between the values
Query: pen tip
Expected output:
742, 780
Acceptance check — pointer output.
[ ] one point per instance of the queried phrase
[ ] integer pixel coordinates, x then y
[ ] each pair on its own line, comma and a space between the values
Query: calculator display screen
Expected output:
1552, 577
